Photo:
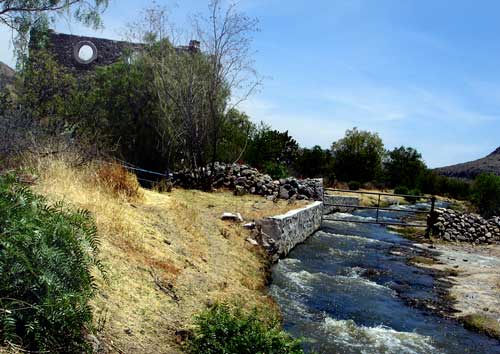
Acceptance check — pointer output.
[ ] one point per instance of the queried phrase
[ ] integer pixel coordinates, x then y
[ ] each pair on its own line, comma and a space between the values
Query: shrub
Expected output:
222, 330
118, 180
486, 194
47, 254
401, 190
354, 185
415, 192
275, 169
163, 186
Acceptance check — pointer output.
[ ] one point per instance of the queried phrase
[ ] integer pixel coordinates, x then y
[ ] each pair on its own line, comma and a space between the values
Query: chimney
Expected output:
194, 46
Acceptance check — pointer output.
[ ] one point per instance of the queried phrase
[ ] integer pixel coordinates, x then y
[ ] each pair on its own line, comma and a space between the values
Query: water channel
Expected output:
346, 290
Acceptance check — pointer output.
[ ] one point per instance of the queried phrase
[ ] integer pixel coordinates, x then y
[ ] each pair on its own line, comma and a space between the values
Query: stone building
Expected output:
82, 54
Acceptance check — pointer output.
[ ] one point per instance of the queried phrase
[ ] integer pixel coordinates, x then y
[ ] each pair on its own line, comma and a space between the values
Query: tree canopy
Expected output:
358, 156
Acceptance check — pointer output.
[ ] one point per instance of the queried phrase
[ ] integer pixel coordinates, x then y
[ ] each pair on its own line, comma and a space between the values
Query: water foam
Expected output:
380, 339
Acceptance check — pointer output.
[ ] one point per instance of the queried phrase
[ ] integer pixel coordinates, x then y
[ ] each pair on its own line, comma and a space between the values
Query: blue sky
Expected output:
421, 73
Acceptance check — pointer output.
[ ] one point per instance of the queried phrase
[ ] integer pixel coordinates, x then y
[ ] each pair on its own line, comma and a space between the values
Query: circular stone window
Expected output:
85, 52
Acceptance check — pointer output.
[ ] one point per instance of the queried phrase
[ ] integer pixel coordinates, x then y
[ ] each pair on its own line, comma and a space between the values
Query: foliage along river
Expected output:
342, 291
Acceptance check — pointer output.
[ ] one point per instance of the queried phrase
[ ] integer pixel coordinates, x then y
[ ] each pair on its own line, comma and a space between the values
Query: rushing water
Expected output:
342, 291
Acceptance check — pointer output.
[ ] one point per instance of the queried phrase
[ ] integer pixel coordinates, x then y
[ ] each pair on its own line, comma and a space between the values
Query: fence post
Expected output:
378, 206
431, 218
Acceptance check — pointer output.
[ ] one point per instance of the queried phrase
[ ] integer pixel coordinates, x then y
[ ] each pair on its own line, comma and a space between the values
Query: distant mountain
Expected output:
7, 75
470, 170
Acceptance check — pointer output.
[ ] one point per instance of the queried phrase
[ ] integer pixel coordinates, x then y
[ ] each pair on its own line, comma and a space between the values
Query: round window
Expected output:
85, 52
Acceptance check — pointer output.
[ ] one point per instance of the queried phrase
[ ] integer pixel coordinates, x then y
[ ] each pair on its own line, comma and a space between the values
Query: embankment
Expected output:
168, 256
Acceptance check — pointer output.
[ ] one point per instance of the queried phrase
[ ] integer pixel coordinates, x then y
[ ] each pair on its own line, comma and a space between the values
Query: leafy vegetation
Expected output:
358, 156
222, 330
403, 167
486, 194
47, 254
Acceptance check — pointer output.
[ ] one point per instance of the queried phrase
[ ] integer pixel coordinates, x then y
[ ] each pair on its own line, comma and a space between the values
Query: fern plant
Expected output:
47, 254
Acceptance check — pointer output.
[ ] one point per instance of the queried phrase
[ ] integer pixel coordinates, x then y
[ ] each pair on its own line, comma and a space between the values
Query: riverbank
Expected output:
168, 256
473, 277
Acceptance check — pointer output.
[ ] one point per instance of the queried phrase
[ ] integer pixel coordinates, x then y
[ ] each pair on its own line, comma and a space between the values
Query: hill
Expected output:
469, 170
7, 75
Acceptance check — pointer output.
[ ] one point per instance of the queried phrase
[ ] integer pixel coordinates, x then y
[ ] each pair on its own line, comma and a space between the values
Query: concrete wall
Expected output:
339, 200
280, 234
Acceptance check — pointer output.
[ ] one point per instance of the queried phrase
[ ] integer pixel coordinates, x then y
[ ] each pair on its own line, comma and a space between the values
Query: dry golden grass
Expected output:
176, 239
371, 199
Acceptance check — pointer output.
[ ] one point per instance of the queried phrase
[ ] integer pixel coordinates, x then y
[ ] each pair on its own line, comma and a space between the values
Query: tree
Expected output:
22, 16
272, 150
235, 136
358, 156
486, 194
225, 36
404, 167
314, 162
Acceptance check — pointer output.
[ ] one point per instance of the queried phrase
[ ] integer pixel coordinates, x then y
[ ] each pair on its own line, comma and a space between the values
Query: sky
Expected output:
421, 73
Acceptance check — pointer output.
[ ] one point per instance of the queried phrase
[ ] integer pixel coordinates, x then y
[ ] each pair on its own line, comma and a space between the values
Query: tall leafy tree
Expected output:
404, 167
270, 148
358, 156
314, 162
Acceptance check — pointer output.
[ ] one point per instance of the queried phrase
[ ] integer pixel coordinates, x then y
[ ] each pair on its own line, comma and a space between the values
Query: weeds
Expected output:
117, 179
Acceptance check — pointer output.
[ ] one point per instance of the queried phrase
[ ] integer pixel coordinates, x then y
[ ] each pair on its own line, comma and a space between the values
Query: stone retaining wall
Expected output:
453, 226
280, 234
339, 200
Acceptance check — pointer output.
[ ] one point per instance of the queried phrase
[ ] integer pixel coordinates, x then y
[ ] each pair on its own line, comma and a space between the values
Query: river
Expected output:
348, 290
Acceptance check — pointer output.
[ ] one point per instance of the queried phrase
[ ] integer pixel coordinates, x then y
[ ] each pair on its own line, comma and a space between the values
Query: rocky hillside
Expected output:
470, 170
7, 75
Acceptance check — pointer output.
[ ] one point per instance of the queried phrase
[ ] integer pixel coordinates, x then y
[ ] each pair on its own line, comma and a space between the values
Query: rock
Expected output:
240, 191
284, 193
232, 217
252, 241
250, 225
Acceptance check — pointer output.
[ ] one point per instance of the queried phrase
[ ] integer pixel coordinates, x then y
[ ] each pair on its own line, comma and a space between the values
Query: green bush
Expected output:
47, 254
222, 330
415, 192
354, 185
275, 169
401, 190
486, 194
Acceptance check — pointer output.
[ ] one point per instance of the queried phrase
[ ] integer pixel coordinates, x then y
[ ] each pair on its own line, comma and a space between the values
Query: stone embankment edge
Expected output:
281, 233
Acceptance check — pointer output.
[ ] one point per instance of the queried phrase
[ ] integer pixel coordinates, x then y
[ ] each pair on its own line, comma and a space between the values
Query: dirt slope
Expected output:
167, 255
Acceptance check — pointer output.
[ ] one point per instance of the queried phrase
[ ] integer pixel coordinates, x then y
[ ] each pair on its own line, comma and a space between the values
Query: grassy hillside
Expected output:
168, 256
469, 170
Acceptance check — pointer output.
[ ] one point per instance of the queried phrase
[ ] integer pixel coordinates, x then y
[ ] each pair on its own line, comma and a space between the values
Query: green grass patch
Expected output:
482, 324
422, 260
224, 330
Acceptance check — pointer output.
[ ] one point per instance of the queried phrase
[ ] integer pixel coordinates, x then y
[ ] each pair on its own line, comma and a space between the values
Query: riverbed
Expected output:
350, 289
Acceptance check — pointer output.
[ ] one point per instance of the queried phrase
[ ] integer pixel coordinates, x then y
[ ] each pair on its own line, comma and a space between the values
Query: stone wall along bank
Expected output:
247, 180
280, 234
453, 226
